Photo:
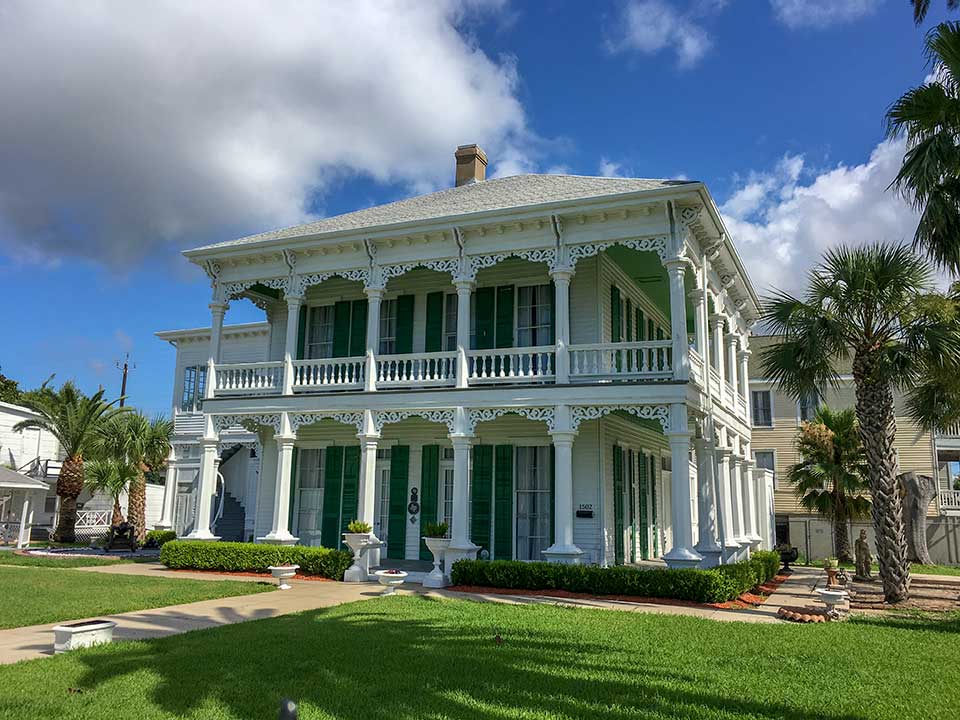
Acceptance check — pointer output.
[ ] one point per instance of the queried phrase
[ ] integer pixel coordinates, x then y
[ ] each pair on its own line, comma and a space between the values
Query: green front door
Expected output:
397, 524
341, 481
618, 504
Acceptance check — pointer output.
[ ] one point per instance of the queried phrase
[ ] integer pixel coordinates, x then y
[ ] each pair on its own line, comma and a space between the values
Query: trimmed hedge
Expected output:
708, 586
250, 557
161, 537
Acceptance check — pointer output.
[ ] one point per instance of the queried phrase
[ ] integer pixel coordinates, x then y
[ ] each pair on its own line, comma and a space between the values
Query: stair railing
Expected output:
222, 493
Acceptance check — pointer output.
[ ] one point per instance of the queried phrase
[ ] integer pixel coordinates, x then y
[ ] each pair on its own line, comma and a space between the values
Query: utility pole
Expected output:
126, 367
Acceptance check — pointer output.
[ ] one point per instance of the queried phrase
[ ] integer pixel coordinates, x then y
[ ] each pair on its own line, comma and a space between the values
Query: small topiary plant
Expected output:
435, 530
358, 526
156, 538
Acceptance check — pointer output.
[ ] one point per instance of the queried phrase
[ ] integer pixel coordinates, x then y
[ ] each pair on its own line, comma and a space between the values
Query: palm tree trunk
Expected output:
878, 428
137, 506
841, 539
117, 512
69, 487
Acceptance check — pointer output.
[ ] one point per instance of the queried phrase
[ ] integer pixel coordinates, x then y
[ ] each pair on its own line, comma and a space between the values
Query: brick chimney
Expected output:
471, 164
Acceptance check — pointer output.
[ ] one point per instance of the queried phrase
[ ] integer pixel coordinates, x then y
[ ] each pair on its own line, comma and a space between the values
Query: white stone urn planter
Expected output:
391, 580
436, 577
82, 634
359, 543
832, 598
282, 573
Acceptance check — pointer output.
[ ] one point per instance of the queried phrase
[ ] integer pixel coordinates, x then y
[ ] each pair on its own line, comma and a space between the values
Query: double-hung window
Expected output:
319, 333
388, 327
450, 322
194, 387
533, 501
766, 459
762, 404
807, 407
534, 316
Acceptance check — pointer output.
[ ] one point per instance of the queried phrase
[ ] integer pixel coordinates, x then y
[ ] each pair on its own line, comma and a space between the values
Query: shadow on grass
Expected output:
414, 658
940, 622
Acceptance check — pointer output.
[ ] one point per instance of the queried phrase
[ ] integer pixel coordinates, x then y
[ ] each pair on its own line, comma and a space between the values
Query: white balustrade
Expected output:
741, 405
511, 364
93, 518
328, 373
953, 431
439, 368
647, 360
247, 378
715, 382
950, 499
696, 367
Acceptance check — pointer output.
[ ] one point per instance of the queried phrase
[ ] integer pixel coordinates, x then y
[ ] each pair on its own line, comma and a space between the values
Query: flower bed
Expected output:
250, 557
702, 586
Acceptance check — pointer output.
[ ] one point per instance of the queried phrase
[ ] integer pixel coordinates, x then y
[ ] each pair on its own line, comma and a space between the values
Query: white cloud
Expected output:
608, 168
127, 128
821, 13
650, 26
781, 221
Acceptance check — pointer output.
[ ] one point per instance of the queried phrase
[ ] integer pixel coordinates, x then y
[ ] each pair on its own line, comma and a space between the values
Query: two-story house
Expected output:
556, 366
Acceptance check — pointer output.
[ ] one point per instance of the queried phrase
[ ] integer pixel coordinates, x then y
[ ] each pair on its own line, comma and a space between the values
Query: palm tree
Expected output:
830, 478
929, 178
110, 477
921, 7
868, 305
144, 443
72, 418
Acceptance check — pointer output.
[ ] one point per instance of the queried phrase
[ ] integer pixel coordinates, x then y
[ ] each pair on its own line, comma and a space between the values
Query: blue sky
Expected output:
149, 129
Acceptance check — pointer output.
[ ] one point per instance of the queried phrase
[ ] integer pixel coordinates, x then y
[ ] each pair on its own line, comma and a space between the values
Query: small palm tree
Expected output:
929, 178
869, 305
144, 443
112, 478
831, 477
73, 419
922, 7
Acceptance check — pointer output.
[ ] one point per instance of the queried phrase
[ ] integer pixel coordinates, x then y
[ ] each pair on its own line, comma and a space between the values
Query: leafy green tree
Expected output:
73, 419
929, 178
110, 477
870, 306
143, 443
831, 477
9, 390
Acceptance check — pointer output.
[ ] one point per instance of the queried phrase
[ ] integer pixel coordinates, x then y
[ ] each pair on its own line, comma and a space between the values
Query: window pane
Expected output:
189, 387
450, 322
388, 327
320, 332
534, 317
762, 408
533, 501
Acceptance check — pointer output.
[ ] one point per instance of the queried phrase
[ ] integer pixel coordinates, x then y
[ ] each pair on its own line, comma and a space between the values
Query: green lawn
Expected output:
412, 658
914, 567
42, 595
9, 558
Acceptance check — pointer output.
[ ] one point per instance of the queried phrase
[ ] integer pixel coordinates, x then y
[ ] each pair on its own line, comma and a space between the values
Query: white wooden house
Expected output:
554, 365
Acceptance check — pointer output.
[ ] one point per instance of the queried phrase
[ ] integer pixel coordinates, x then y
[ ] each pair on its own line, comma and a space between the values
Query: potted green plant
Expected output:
359, 539
436, 537
282, 571
831, 563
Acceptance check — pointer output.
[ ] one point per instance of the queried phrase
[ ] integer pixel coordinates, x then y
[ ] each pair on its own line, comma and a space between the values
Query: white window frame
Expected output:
388, 327
538, 329
817, 402
321, 484
753, 406
197, 390
322, 348
540, 453
773, 454
449, 342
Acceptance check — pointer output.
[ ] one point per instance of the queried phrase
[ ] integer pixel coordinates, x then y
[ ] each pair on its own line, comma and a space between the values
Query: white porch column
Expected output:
280, 529
736, 500
217, 312
731, 340
676, 270
26, 511
682, 553
464, 288
206, 487
716, 339
707, 544
290, 341
699, 299
169, 494
460, 545
374, 298
727, 533
369, 439
744, 357
752, 524
561, 282
563, 549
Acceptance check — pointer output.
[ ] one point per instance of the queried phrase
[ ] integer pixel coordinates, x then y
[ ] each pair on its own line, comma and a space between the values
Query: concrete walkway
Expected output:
37, 641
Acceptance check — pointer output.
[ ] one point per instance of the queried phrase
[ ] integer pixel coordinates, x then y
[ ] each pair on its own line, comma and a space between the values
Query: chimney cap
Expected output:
471, 164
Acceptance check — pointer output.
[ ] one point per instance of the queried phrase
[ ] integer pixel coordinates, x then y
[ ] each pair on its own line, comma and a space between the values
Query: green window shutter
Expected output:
618, 505
405, 304
649, 329
333, 474
294, 481
653, 505
644, 515
553, 493
429, 490
504, 329
302, 332
632, 490
433, 339
641, 335
481, 495
358, 328
484, 304
615, 334
341, 328
628, 322
553, 313
397, 524
351, 486
503, 512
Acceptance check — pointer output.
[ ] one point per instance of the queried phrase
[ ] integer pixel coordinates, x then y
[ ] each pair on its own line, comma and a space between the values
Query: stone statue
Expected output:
918, 492
862, 554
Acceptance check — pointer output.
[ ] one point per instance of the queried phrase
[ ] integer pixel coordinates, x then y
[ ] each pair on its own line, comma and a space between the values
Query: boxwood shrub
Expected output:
250, 557
160, 537
709, 586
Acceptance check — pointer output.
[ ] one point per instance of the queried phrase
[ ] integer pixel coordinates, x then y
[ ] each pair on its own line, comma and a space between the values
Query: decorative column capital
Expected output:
285, 440
677, 264
368, 438
717, 319
218, 307
562, 273
732, 339
563, 437
744, 354
463, 284
373, 293
294, 301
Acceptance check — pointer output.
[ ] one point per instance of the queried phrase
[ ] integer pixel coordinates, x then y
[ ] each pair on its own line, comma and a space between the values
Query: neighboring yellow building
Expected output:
776, 422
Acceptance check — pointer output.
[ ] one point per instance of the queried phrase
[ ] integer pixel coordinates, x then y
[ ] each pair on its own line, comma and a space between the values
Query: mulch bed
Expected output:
263, 576
745, 601
925, 594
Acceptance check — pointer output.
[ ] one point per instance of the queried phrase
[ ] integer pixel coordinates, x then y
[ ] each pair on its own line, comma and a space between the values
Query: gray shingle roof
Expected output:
12, 479
498, 194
